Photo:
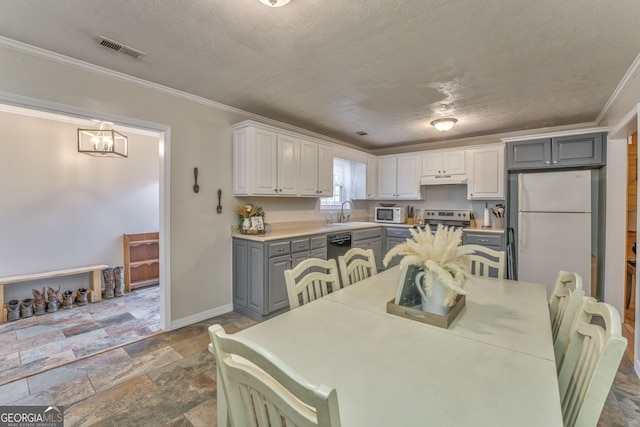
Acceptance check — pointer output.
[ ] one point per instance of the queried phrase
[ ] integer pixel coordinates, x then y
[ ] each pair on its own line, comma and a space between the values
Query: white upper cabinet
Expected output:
287, 165
308, 168
316, 169
325, 171
269, 162
448, 162
486, 171
372, 178
399, 177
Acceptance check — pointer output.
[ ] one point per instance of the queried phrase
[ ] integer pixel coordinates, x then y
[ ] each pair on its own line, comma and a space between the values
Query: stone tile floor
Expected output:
169, 379
39, 343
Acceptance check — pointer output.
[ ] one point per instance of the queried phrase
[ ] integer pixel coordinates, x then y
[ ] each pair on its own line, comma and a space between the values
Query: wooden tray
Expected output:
242, 231
424, 317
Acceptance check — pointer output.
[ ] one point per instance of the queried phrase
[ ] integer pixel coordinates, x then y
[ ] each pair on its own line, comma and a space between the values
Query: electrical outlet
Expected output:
310, 214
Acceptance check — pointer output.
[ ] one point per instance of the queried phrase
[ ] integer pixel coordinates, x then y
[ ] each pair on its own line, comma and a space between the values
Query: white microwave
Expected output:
395, 215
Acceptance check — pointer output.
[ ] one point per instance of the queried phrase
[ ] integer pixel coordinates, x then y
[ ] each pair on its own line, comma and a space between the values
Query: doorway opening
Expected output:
152, 132
628, 327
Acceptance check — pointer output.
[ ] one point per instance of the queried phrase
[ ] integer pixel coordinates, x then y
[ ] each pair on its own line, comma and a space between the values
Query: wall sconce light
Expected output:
444, 124
102, 141
275, 3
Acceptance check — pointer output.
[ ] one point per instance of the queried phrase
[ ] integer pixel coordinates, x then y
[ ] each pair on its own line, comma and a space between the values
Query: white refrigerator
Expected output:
554, 226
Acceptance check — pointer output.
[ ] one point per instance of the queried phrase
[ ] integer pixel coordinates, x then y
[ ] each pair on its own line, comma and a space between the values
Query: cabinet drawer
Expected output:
300, 245
318, 242
368, 233
398, 232
279, 248
484, 239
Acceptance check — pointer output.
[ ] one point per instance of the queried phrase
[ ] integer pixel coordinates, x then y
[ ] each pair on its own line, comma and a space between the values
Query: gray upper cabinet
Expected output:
558, 152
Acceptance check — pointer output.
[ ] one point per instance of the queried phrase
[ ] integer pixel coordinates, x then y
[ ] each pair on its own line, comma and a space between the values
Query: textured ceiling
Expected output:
336, 67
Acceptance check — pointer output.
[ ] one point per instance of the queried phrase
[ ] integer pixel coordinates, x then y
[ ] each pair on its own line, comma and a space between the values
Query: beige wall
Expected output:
200, 255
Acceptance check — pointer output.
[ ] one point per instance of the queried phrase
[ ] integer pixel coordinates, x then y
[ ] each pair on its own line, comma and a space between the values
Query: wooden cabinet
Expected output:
370, 238
399, 178
372, 178
486, 173
492, 240
586, 150
270, 162
446, 162
259, 288
141, 260
316, 169
394, 236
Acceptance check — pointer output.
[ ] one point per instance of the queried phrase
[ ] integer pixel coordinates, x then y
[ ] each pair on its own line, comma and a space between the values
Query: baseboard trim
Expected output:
189, 320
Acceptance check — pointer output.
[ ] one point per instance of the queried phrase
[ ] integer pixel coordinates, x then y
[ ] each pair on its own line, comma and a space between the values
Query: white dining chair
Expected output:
261, 390
355, 265
484, 261
590, 364
311, 279
564, 306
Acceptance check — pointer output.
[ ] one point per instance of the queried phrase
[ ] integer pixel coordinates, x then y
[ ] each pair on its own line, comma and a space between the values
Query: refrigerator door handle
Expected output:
520, 192
521, 234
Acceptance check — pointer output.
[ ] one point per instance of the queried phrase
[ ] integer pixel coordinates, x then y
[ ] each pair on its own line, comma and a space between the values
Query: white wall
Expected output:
62, 209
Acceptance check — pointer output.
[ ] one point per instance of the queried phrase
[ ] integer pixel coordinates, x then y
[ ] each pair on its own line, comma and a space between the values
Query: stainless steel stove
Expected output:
449, 218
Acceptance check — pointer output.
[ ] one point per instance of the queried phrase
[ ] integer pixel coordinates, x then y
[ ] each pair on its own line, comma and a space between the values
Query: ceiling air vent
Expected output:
362, 133
119, 47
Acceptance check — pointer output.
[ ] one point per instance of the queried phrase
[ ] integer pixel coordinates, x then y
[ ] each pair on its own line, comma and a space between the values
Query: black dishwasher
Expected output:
338, 244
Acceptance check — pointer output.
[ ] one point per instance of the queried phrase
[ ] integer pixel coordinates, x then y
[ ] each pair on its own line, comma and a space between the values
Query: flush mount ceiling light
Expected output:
275, 3
102, 141
444, 124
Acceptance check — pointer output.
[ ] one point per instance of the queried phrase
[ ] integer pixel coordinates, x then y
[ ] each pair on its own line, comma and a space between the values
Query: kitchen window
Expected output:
349, 182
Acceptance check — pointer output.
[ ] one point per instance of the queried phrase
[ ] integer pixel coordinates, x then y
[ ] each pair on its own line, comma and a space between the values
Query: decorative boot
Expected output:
27, 307
67, 299
81, 297
13, 310
107, 274
118, 276
39, 301
52, 296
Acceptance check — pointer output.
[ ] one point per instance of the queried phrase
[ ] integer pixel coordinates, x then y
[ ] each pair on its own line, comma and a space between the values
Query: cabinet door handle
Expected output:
276, 190
547, 162
554, 162
301, 245
280, 249
483, 240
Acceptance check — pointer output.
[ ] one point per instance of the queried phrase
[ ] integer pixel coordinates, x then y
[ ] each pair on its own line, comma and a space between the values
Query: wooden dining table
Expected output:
493, 366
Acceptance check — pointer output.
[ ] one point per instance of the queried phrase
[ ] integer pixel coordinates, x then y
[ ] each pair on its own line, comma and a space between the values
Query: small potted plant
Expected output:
441, 265
250, 219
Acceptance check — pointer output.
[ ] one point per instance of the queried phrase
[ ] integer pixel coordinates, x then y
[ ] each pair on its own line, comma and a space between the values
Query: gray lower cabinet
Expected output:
586, 150
370, 238
259, 288
394, 236
495, 241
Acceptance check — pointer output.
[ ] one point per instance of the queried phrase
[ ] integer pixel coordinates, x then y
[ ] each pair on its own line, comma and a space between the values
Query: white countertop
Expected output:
285, 231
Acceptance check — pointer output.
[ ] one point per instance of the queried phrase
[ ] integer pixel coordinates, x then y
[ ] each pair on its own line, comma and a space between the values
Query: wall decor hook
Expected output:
219, 207
196, 187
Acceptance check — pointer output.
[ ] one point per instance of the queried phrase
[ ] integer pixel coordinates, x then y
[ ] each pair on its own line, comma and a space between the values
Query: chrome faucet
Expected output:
342, 217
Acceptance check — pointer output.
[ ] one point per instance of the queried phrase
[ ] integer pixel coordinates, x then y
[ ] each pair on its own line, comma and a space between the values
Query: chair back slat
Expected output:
313, 278
356, 265
485, 261
262, 391
564, 309
590, 364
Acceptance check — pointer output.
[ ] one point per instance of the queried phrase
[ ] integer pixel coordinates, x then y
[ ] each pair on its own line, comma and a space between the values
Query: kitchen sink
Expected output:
350, 224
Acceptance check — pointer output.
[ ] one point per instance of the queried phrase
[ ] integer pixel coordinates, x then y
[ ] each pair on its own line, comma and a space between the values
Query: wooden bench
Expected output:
95, 282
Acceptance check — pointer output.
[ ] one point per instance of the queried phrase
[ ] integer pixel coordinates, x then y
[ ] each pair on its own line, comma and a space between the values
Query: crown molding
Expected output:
106, 72
629, 76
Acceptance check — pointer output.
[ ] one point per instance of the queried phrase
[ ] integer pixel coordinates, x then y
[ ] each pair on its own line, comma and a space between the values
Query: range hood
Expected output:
443, 179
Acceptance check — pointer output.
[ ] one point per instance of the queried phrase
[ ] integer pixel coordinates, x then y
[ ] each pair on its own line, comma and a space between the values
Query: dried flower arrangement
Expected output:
245, 213
439, 253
